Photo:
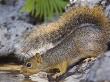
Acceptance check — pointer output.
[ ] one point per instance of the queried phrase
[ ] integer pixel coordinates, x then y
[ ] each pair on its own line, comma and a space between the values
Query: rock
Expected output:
11, 26
9, 33
40, 77
11, 77
100, 71
91, 3
8, 2
107, 11
92, 71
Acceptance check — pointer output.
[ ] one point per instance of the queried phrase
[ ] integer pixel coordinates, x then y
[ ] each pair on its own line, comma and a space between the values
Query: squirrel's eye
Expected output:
28, 64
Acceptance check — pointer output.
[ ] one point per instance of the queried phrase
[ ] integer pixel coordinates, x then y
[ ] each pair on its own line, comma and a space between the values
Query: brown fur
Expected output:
80, 33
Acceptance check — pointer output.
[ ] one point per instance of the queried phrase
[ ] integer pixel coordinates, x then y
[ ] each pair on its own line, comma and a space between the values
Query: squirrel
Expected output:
79, 33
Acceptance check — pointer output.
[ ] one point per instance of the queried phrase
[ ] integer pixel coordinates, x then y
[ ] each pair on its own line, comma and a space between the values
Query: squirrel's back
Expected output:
87, 41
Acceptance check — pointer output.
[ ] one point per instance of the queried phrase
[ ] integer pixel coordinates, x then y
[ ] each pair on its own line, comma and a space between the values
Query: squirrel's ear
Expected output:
38, 57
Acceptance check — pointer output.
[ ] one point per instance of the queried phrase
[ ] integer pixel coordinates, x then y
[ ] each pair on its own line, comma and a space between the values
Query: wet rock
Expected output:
11, 77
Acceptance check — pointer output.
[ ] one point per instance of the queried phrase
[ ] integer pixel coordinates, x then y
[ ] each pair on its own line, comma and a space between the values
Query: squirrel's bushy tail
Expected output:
85, 15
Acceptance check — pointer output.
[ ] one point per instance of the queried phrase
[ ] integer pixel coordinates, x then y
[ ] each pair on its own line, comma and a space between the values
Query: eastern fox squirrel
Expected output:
80, 33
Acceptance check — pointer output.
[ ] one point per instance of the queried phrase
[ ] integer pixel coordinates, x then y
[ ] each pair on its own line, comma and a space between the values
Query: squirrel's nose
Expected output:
26, 74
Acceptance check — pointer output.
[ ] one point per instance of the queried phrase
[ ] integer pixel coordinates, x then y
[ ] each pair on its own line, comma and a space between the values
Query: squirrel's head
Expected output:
32, 66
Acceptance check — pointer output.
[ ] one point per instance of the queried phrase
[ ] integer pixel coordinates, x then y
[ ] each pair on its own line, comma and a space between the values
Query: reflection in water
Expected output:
11, 77
28, 80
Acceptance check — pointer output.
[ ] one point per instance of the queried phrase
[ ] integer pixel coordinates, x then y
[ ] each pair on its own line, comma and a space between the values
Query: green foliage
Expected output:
45, 9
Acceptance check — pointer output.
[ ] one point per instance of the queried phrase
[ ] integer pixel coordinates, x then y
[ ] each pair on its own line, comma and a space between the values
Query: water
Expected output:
13, 77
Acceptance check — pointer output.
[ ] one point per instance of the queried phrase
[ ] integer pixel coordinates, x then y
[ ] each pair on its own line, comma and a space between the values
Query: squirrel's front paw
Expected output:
56, 75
